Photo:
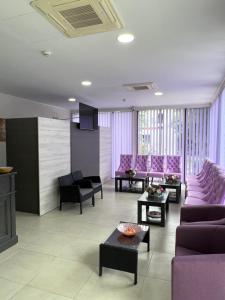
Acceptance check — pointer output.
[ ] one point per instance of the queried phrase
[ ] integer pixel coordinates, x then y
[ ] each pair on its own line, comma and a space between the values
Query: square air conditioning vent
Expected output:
146, 86
79, 17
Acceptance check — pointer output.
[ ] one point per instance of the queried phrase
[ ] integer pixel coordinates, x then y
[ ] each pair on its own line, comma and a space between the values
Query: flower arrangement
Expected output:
154, 190
171, 179
130, 172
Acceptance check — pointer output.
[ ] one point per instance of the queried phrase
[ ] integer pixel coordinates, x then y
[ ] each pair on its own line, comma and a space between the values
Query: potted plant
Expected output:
171, 179
155, 190
130, 172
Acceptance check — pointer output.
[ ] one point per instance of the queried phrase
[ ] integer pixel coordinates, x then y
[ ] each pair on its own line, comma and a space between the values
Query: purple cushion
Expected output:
119, 173
196, 194
195, 188
194, 201
156, 174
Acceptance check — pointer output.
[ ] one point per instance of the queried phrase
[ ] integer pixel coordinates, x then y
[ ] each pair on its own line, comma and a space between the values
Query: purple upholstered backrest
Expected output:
141, 163
157, 163
125, 162
173, 163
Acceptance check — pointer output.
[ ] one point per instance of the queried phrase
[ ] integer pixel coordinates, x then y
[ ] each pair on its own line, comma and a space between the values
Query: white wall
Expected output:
15, 107
54, 159
105, 153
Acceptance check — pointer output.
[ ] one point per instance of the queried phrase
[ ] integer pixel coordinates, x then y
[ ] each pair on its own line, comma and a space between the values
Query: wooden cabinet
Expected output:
8, 235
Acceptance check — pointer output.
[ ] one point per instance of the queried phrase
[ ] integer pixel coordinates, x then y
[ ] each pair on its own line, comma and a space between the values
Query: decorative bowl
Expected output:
129, 229
4, 170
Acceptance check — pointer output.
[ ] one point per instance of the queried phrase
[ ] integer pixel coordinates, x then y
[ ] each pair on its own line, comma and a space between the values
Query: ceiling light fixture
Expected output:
72, 100
125, 38
158, 93
86, 83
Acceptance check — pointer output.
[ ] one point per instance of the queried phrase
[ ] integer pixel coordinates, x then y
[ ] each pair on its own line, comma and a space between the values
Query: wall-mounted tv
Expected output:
88, 117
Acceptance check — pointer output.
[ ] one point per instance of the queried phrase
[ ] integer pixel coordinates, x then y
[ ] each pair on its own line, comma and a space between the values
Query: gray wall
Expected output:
85, 151
14, 107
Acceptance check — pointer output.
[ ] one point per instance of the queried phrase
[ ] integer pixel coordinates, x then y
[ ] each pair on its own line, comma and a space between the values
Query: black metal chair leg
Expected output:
101, 194
60, 206
93, 200
81, 208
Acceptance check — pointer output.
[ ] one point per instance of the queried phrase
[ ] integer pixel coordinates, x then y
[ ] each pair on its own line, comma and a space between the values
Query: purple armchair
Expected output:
125, 164
198, 267
173, 163
141, 165
157, 166
202, 214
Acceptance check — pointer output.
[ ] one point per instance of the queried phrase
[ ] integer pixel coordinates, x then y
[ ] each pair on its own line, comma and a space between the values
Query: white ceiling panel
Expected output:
179, 45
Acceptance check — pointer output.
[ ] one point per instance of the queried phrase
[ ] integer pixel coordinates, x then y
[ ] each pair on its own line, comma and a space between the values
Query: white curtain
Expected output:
214, 131
171, 131
197, 139
160, 131
122, 125
104, 119
221, 144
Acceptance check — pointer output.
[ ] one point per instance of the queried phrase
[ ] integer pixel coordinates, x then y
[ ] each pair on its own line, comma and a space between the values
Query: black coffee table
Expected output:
131, 179
121, 253
155, 201
173, 186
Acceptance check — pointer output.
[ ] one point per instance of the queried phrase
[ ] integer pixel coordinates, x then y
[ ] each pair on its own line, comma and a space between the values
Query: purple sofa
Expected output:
208, 187
198, 268
202, 214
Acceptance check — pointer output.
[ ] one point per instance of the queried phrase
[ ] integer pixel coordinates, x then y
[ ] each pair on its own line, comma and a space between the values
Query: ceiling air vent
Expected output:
147, 86
79, 17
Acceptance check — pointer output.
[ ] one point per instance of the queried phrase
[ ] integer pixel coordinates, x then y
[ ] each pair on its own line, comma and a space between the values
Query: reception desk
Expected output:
8, 235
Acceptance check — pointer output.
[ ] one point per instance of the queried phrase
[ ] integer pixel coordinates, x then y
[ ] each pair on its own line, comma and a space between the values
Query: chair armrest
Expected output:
202, 238
198, 277
84, 183
197, 213
96, 179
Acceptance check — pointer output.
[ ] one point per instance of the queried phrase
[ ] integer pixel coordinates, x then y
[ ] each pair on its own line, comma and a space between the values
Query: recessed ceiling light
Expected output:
125, 38
72, 100
158, 93
86, 83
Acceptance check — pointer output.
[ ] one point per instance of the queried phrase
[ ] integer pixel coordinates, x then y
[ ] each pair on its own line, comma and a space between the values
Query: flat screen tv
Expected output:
88, 117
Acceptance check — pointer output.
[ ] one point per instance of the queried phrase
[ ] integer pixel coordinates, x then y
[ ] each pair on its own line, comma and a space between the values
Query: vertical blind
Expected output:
197, 137
104, 119
171, 131
160, 131
122, 127
222, 131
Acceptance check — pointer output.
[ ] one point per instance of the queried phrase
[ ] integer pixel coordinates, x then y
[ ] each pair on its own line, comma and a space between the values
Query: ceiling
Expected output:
180, 45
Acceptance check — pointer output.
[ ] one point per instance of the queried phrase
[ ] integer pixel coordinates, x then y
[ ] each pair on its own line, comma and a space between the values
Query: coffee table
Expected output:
174, 186
121, 253
131, 179
147, 202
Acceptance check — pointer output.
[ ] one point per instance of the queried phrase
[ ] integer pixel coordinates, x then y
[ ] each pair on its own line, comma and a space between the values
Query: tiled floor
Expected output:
57, 254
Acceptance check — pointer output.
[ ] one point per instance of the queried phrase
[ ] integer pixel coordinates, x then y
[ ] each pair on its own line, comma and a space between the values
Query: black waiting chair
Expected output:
75, 191
95, 181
